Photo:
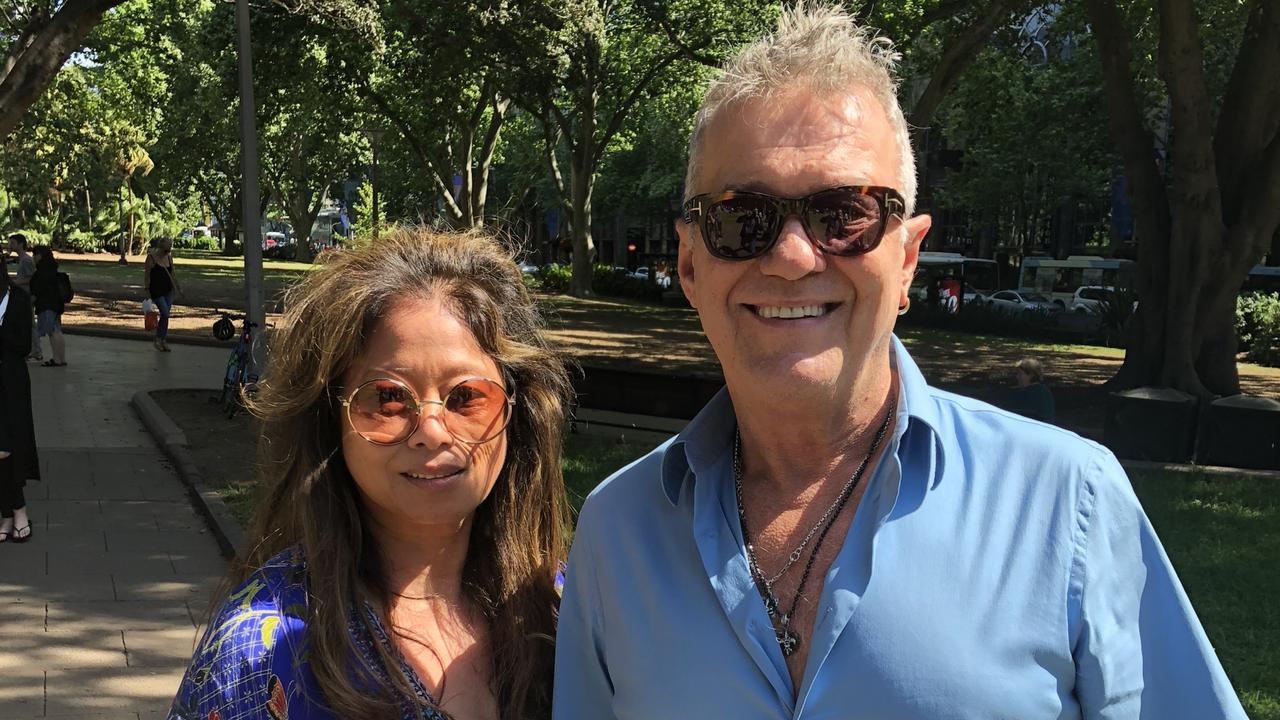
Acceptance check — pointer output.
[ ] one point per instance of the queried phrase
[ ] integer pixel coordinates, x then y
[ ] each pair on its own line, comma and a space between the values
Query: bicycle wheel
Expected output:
233, 383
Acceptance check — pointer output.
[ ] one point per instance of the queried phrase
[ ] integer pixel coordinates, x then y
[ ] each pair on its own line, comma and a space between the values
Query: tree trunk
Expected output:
124, 240
583, 244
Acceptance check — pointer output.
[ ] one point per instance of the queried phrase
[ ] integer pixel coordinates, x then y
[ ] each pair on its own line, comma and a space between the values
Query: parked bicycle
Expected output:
237, 382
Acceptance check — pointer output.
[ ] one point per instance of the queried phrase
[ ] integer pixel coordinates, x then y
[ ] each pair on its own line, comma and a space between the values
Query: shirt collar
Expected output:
709, 436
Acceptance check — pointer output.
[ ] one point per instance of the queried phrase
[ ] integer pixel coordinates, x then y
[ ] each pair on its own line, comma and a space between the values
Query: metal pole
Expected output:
250, 215
376, 136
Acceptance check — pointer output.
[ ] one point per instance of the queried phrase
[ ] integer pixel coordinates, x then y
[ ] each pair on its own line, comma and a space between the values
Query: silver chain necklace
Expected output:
788, 640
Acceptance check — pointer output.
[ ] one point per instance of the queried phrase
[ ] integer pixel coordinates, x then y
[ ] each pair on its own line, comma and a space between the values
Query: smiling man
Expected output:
831, 537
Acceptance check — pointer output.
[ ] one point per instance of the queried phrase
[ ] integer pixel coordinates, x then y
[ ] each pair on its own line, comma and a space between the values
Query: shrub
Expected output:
1258, 327
555, 278
79, 241
34, 237
198, 242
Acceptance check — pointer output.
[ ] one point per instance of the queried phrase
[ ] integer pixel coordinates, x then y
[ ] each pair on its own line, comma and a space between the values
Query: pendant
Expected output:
787, 640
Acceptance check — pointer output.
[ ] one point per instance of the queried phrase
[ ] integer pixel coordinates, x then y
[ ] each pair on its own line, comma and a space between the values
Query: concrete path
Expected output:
99, 612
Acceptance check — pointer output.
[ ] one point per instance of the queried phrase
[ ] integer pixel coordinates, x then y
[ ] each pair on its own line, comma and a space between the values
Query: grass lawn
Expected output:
1223, 536
207, 278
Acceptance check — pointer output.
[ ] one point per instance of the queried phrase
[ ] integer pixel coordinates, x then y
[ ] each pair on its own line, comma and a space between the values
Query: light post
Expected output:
374, 135
252, 220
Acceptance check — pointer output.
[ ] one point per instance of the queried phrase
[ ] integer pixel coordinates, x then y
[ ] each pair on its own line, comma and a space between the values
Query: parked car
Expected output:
1015, 302
642, 274
1090, 299
529, 268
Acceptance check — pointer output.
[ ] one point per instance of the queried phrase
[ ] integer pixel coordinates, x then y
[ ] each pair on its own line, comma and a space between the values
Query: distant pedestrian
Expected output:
22, 278
18, 459
46, 294
162, 284
1030, 396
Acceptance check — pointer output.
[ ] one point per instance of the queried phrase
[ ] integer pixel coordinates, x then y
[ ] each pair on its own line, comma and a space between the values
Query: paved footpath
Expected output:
100, 610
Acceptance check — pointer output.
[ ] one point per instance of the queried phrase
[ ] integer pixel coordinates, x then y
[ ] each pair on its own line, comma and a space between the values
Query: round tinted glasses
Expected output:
842, 221
386, 411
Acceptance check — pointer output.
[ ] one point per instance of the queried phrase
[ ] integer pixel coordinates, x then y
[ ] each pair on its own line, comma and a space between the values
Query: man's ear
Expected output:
915, 228
684, 260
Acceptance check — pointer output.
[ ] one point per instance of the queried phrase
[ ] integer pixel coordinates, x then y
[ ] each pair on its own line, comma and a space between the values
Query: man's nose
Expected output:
794, 255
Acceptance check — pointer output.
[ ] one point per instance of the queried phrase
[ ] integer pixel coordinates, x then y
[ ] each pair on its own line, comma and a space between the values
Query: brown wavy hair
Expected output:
519, 534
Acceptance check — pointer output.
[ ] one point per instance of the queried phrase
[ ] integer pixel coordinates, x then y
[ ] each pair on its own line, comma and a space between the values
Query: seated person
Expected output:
1030, 396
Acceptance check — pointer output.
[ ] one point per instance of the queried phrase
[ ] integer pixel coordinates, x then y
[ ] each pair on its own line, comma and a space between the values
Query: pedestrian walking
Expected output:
47, 295
162, 285
18, 459
22, 278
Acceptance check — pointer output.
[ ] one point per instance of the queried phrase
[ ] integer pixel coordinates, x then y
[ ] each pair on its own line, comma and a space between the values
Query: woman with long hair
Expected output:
162, 284
404, 558
19, 460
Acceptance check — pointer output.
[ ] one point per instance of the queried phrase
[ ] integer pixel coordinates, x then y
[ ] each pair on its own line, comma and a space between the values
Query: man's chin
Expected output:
797, 371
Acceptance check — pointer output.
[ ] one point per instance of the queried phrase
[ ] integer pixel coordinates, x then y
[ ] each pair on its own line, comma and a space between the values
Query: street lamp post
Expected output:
249, 212
374, 135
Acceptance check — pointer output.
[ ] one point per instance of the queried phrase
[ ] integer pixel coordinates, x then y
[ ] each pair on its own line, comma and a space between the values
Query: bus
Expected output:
1262, 279
1059, 279
979, 277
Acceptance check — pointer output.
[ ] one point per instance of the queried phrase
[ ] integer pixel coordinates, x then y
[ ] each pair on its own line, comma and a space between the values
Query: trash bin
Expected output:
1241, 431
1156, 424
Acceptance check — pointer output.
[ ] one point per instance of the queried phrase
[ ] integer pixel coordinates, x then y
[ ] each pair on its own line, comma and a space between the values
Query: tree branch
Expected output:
942, 11
550, 142
1182, 64
1260, 204
620, 114
31, 72
1136, 145
657, 15
1251, 106
406, 131
959, 54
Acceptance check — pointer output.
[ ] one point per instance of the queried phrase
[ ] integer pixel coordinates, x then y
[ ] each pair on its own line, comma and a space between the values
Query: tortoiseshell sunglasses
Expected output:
843, 221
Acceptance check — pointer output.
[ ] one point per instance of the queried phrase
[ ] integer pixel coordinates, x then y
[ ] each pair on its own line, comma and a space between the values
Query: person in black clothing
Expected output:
162, 283
46, 292
18, 459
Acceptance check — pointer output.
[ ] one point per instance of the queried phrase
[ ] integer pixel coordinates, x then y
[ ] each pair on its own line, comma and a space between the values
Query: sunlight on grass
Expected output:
589, 459
1223, 536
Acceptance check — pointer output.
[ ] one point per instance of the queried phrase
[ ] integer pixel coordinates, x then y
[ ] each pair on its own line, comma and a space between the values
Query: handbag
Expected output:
150, 315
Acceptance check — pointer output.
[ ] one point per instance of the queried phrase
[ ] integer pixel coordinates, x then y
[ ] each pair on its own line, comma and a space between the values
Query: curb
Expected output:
171, 439
142, 336
1193, 469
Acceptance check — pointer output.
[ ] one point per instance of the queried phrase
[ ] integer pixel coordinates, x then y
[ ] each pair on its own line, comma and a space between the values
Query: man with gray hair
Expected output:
831, 537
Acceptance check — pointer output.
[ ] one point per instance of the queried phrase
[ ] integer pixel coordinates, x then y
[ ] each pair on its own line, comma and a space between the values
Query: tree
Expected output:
1028, 152
307, 142
602, 58
438, 87
40, 36
1207, 210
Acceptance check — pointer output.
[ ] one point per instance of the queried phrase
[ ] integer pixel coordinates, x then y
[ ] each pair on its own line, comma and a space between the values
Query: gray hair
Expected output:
817, 48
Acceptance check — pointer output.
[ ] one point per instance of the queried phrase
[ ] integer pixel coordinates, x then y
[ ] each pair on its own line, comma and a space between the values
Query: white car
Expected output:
1090, 299
642, 273
1015, 302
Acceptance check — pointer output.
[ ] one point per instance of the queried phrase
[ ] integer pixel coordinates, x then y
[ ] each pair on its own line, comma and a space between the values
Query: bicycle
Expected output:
237, 382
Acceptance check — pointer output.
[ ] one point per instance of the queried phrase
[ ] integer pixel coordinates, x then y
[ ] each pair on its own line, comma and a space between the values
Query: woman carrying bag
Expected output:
162, 283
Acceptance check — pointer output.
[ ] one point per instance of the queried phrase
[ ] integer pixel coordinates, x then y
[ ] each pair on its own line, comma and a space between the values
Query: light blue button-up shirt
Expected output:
996, 568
